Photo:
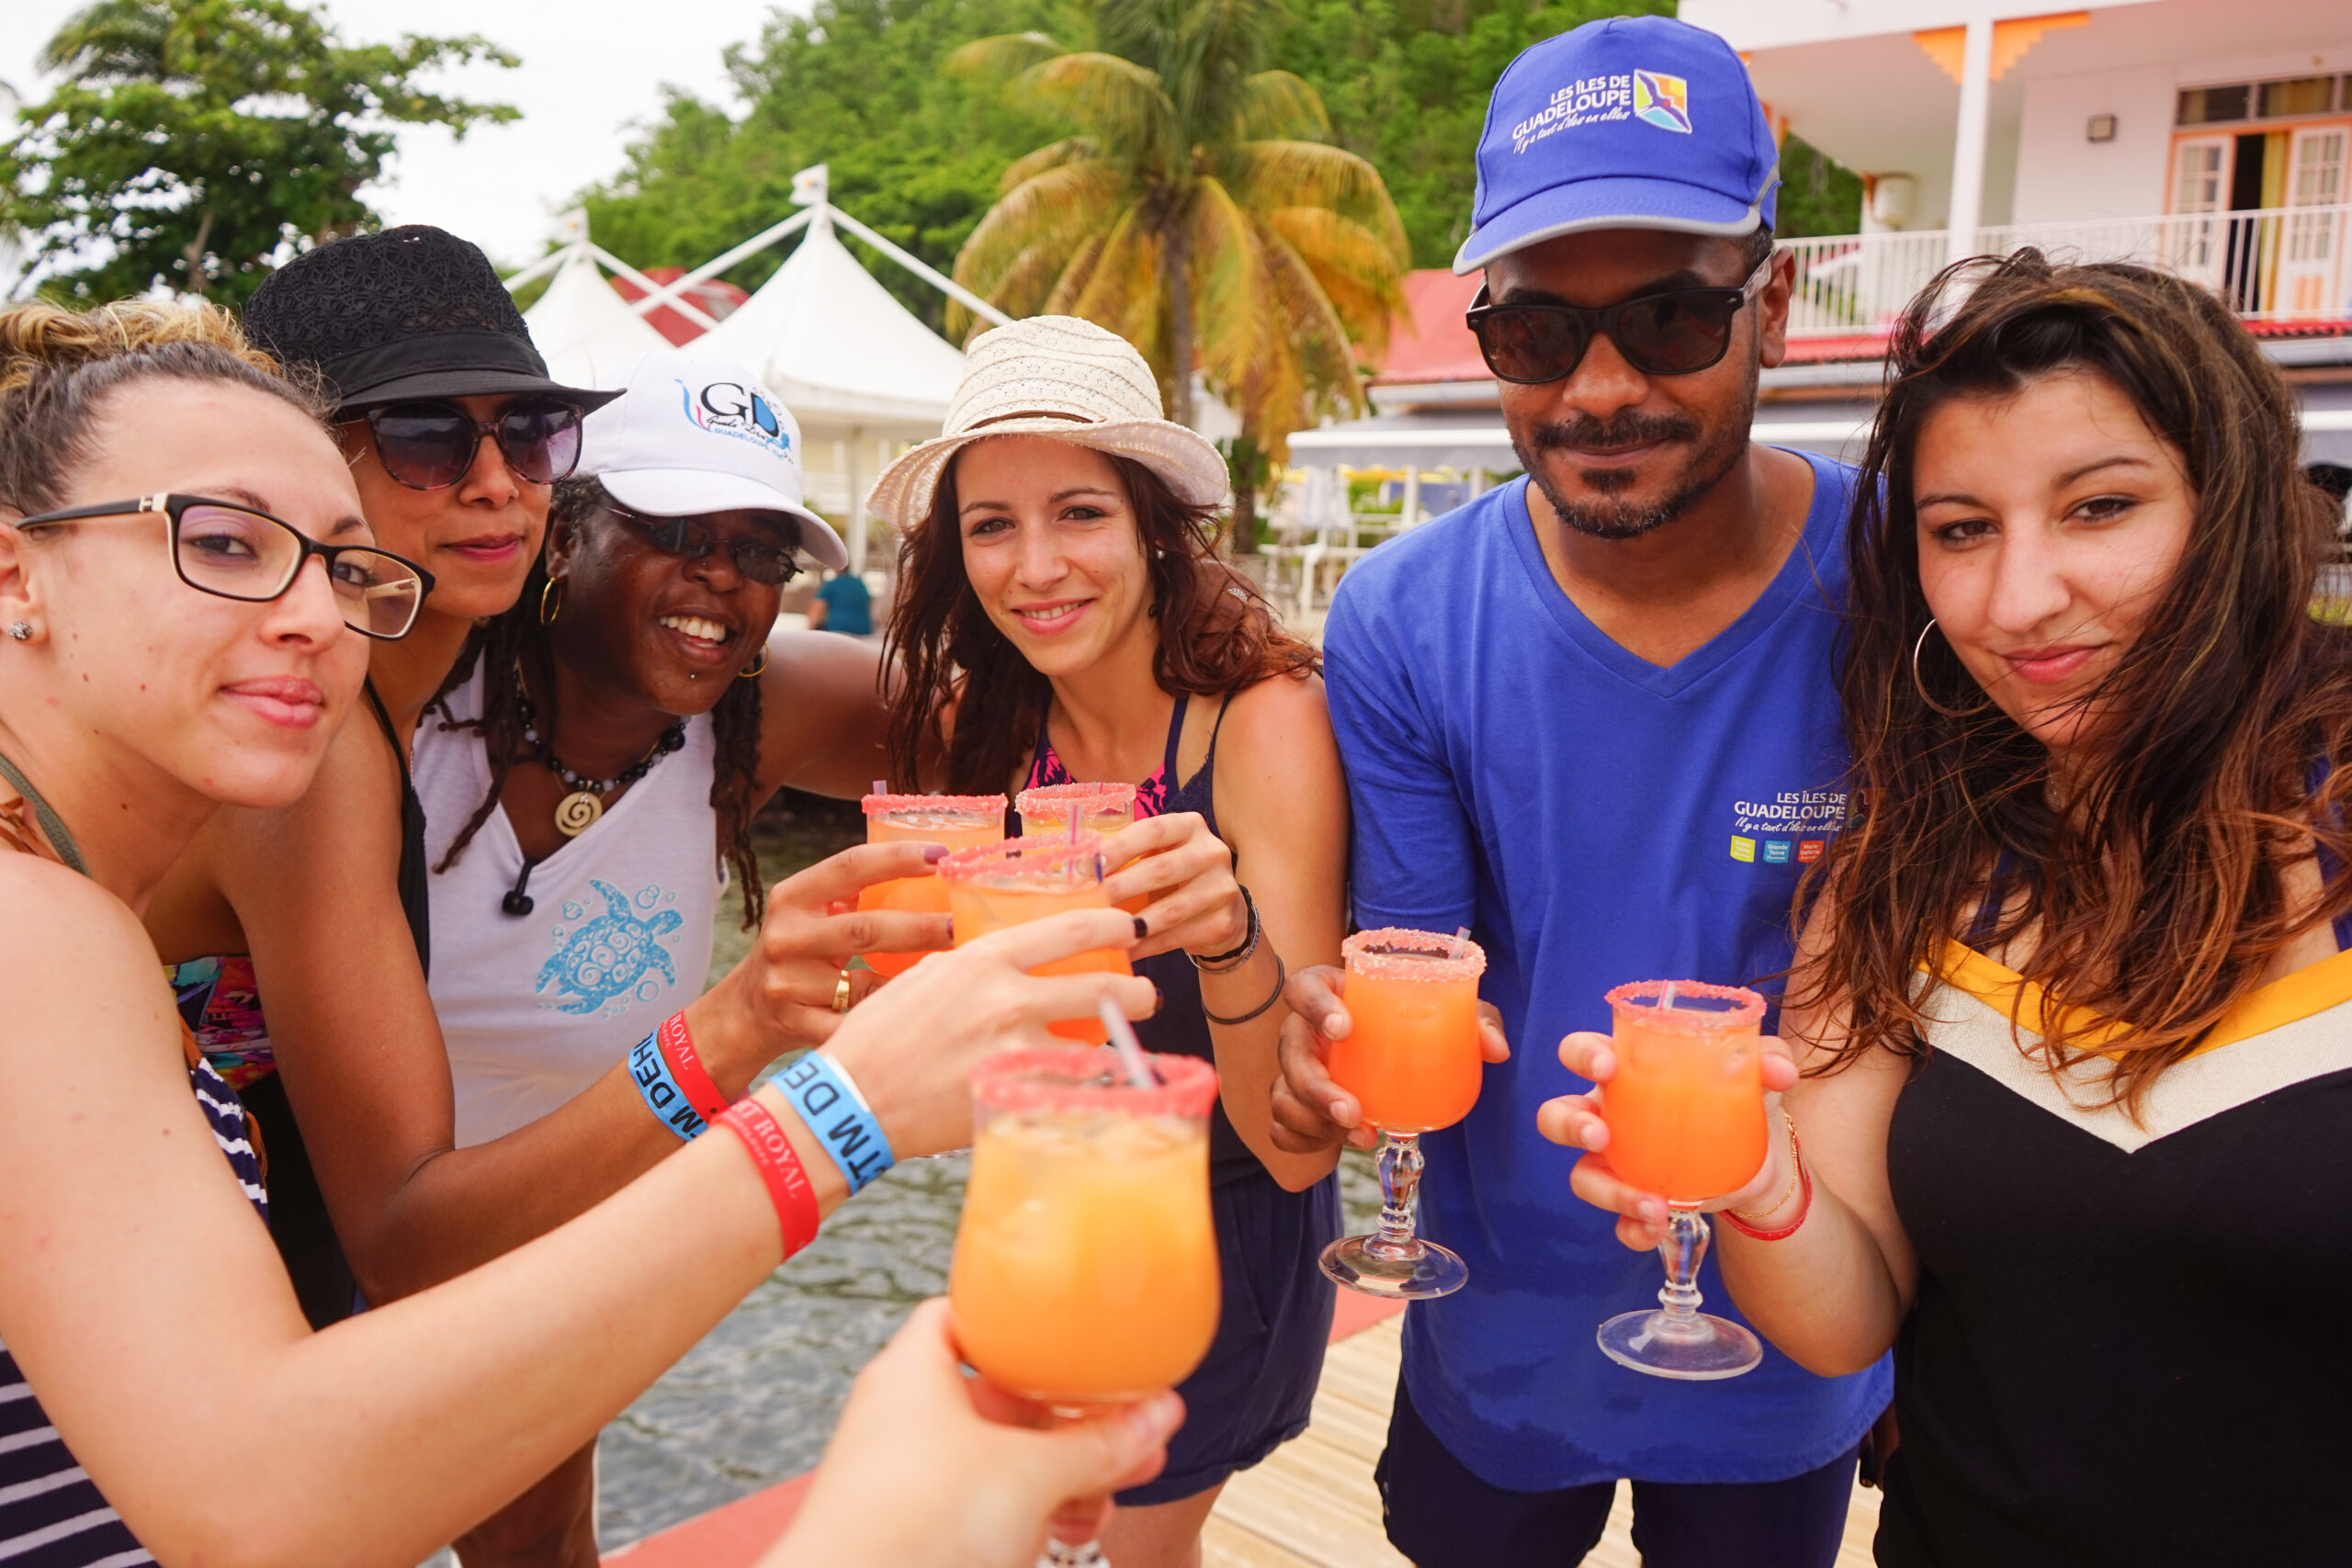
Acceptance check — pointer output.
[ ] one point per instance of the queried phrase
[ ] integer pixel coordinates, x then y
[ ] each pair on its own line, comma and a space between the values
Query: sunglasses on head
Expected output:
236, 552
1673, 333
693, 537
429, 444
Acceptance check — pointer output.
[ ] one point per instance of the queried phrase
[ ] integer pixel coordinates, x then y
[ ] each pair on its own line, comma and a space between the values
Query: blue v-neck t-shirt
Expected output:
1593, 818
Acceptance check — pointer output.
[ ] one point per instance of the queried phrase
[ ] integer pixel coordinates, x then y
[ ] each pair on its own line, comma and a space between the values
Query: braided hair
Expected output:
517, 641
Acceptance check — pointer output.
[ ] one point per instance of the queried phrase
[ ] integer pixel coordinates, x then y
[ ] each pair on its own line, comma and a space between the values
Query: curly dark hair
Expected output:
1216, 634
517, 640
2156, 890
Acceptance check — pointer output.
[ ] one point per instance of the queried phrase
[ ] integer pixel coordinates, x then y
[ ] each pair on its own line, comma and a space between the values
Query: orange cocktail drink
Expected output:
1085, 1268
1411, 1060
1101, 808
1686, 1121
1686, 1108
1014, 881
957, 821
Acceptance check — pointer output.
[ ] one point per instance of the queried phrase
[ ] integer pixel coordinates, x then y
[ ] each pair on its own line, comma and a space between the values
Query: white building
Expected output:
2213, 137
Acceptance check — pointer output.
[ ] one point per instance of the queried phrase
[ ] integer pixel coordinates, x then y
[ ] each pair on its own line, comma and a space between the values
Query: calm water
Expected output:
754, 1402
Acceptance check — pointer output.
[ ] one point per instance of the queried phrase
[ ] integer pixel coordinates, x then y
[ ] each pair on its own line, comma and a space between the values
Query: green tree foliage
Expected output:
191, 143
1193, 208
1818, 195
856, 84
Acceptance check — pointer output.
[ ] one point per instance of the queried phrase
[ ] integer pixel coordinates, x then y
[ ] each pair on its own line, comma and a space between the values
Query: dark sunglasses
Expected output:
1671, 333
692, 537
432, 445
234, 552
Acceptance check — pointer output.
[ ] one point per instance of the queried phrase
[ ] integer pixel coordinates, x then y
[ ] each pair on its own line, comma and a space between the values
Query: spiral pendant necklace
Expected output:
578, 811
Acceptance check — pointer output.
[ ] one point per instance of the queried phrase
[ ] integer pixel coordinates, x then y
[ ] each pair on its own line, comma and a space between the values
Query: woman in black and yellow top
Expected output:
2074, 1005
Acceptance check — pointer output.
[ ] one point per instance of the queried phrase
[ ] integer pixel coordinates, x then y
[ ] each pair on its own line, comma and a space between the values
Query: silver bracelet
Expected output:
1282, 978
1227, 963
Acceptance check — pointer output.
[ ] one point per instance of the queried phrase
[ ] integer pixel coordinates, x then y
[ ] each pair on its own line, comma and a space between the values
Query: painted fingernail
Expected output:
1143, 928
934, 853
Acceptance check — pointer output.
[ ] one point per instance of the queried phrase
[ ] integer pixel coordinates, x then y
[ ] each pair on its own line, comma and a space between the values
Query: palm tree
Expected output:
1195, 210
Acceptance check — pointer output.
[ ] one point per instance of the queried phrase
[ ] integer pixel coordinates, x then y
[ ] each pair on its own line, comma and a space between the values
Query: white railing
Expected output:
2275, 264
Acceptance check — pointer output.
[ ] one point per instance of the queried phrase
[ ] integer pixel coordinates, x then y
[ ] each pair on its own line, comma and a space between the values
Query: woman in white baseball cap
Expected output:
1062, 617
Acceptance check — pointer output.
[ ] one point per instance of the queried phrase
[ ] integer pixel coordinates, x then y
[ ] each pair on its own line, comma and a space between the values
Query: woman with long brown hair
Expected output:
1062, 617
2073, 1006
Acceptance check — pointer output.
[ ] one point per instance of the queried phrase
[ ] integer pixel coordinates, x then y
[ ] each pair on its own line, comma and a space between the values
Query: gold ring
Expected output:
840, 992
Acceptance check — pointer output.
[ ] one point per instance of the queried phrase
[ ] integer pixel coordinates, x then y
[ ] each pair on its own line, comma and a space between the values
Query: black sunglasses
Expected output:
432, 445
692, 537
236, 552
1674, 333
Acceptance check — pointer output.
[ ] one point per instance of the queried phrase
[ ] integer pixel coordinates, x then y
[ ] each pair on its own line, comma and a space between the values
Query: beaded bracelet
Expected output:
1800, 1179
780, 1168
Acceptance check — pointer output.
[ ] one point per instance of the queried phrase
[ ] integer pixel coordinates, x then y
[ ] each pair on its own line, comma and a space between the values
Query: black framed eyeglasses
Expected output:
429, 444
692, 537
1673, 333
221, 548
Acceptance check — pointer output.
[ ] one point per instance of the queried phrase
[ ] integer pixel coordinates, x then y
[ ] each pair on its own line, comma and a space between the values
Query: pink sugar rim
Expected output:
1009, 855
960, 805
1060, 796
1430, 956
1749, 1010
1089, 1077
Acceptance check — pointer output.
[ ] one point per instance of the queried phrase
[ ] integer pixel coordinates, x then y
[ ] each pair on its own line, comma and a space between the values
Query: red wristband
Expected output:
693, 1078
1804, 1200
780, 1168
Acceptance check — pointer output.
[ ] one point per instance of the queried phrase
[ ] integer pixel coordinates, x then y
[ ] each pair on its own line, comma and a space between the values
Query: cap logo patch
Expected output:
1663, 100
1586, 101
731, 409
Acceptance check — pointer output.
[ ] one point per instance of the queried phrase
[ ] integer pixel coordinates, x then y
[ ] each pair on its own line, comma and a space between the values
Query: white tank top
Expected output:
537, 1007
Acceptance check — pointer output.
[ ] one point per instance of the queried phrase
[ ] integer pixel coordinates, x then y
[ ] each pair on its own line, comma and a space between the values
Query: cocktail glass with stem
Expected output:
1017, 880
1411, 1060
1101, 808
1085, 1271
958, 822
1685, 1121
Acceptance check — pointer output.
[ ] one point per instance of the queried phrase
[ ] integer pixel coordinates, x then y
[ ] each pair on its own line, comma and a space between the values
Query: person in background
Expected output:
842, 605
169, 649
2089, 942
1062, 617
1591, 716
591, 774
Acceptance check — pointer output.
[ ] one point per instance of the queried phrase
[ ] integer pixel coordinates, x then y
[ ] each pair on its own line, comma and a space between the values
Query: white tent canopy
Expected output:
586, 333
836, 348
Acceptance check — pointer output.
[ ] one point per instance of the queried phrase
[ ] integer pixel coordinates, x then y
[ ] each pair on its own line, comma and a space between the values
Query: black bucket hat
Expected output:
408, 312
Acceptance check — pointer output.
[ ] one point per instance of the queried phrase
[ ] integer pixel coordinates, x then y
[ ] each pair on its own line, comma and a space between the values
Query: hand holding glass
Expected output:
958, 822
1685, 1121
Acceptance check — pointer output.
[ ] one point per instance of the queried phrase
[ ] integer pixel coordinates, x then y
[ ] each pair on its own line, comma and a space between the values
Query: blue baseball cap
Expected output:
1636, 122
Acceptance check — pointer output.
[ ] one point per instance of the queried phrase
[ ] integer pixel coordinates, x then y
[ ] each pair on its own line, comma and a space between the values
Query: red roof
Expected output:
714, 297
1426, 341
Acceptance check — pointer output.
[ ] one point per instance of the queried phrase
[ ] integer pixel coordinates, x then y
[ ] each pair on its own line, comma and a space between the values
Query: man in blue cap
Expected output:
1611, 753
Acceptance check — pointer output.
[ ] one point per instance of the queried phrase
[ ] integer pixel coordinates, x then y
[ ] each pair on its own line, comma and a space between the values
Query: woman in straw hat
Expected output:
1062, 617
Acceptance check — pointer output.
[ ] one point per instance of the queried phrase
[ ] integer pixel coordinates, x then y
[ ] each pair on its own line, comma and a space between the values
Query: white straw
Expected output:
1461, 935
1123, 1040
1666, 999
881, 787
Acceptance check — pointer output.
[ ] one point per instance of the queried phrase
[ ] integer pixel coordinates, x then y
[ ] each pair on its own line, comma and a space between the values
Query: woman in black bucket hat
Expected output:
456, 435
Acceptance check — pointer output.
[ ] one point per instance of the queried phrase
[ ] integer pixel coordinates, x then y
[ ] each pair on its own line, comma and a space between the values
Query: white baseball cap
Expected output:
697, 434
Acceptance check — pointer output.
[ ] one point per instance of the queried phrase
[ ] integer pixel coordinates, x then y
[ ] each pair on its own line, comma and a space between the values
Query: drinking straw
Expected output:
1666, 999
881, 787
1073, 823
1123, 1040
1461, 935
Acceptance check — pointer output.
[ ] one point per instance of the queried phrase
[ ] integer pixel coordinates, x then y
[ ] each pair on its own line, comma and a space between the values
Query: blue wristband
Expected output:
829, 1104
668, 1102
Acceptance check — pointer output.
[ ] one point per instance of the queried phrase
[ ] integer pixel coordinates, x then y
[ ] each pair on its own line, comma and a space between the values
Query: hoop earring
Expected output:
548, 612
1921, 686
753, 670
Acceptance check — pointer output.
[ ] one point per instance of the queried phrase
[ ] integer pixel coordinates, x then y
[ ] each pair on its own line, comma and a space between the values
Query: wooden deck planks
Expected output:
1312, 1504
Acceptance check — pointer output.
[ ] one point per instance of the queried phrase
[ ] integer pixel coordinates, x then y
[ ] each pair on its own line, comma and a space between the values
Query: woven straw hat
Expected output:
1060, 377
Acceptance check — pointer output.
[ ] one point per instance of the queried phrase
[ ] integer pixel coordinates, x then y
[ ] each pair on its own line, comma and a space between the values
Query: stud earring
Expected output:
20, 630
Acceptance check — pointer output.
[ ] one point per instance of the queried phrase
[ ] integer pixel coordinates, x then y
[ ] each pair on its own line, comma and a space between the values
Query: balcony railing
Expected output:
2273, 264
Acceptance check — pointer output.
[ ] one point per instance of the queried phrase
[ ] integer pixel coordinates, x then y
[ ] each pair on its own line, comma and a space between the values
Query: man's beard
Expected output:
1705, 467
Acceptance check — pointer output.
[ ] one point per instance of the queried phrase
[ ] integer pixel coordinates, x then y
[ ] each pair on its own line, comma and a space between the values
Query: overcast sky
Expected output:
590, 68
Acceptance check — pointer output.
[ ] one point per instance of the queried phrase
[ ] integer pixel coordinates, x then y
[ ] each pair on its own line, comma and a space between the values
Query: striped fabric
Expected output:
51, 1513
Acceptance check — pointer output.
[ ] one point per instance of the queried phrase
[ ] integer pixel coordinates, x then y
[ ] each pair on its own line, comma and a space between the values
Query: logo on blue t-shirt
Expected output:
1790, 825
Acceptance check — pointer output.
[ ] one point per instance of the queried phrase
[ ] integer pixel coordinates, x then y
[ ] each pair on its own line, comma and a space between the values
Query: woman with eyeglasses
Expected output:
169, 650
591, 774
316, 914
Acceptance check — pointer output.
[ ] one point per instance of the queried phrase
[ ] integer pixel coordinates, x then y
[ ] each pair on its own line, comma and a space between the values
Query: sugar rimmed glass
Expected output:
1102, 809
1017, 880
958, 822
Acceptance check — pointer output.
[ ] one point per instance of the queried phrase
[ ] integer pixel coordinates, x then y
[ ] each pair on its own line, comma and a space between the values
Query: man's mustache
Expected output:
1585, 434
